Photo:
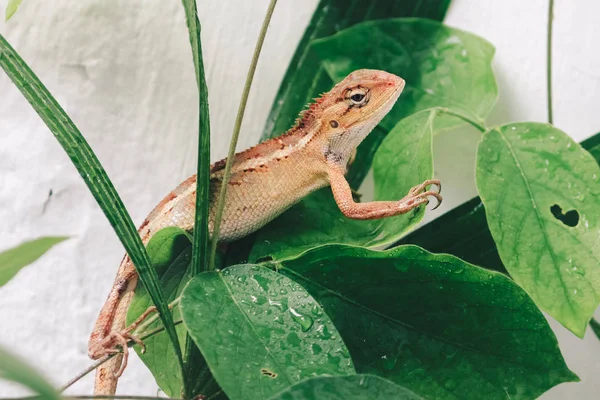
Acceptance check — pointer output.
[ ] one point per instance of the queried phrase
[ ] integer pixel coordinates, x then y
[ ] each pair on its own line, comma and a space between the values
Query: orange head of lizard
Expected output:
351, 110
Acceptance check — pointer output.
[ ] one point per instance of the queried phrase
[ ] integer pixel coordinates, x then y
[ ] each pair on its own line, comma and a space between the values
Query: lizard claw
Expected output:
439, 200
420, 194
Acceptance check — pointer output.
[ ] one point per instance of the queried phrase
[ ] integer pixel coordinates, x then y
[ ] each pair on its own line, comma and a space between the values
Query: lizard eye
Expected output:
358, 96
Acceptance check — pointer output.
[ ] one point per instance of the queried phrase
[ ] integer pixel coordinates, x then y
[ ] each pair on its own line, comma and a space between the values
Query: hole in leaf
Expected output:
268, 373
570, 218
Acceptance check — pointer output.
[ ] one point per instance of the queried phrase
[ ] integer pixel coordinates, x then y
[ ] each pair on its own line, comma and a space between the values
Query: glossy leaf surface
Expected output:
541, 192
464, 232
352, 387
438, 326
260, 332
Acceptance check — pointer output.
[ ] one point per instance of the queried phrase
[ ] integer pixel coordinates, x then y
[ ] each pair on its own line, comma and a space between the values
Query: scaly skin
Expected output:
266, 180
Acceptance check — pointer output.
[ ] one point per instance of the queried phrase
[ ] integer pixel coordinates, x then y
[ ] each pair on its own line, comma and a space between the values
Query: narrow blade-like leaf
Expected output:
14, 369
13, 260
12, 7
91, 171
201, 243
170, 251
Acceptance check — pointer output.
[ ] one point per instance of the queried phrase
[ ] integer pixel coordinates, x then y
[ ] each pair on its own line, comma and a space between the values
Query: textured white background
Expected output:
122, 70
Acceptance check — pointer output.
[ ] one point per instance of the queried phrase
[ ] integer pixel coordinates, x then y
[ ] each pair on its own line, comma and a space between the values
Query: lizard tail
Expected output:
113, 318
105, 383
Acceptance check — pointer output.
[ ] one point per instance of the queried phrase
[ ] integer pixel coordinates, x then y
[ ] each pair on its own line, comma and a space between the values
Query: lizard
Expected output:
266, 180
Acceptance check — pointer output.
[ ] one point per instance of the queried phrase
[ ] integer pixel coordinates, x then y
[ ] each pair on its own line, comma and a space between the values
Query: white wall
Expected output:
122, 70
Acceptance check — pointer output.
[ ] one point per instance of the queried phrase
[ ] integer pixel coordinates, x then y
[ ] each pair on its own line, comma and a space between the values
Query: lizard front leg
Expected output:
342, 194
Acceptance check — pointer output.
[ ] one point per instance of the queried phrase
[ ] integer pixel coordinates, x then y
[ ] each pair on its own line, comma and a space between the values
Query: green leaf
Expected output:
170, 251
464, 232
305, 78
352, 387
440, 327
11, 8
201, 237
12, 368
592, 145
595, 325
13, 260
260, 332
442, 66
200, 253
317, 220
92, 172
533, 180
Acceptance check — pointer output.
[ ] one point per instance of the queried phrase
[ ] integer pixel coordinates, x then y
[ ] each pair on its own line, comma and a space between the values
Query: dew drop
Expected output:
305, 321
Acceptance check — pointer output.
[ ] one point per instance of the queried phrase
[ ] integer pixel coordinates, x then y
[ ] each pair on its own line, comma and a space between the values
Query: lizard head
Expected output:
355, 106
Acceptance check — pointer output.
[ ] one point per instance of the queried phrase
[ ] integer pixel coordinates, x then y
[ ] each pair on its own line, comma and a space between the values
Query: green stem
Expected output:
480, 125
140, 329
236, 133
549, 59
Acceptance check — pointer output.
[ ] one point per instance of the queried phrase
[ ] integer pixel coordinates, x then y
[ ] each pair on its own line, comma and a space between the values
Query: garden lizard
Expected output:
265, 181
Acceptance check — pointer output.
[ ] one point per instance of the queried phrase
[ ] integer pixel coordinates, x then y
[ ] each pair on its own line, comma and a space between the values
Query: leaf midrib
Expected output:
539, 220
403, 324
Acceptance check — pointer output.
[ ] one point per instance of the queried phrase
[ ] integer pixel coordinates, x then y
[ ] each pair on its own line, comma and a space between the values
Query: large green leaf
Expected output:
438, 326
14, 369
352, 387
317, 220
170, 251
541, 192
464, 232
305, 79
260, 332
442, 66
13, 260
92, 172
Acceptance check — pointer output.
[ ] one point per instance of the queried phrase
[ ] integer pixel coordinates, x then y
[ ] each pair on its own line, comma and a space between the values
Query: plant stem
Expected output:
104, 359
549, 59
86, 371
480, 125
153, 318
236, 132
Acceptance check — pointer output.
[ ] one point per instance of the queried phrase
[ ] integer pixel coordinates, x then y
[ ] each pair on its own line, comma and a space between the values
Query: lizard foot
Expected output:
420, 194
118, 342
